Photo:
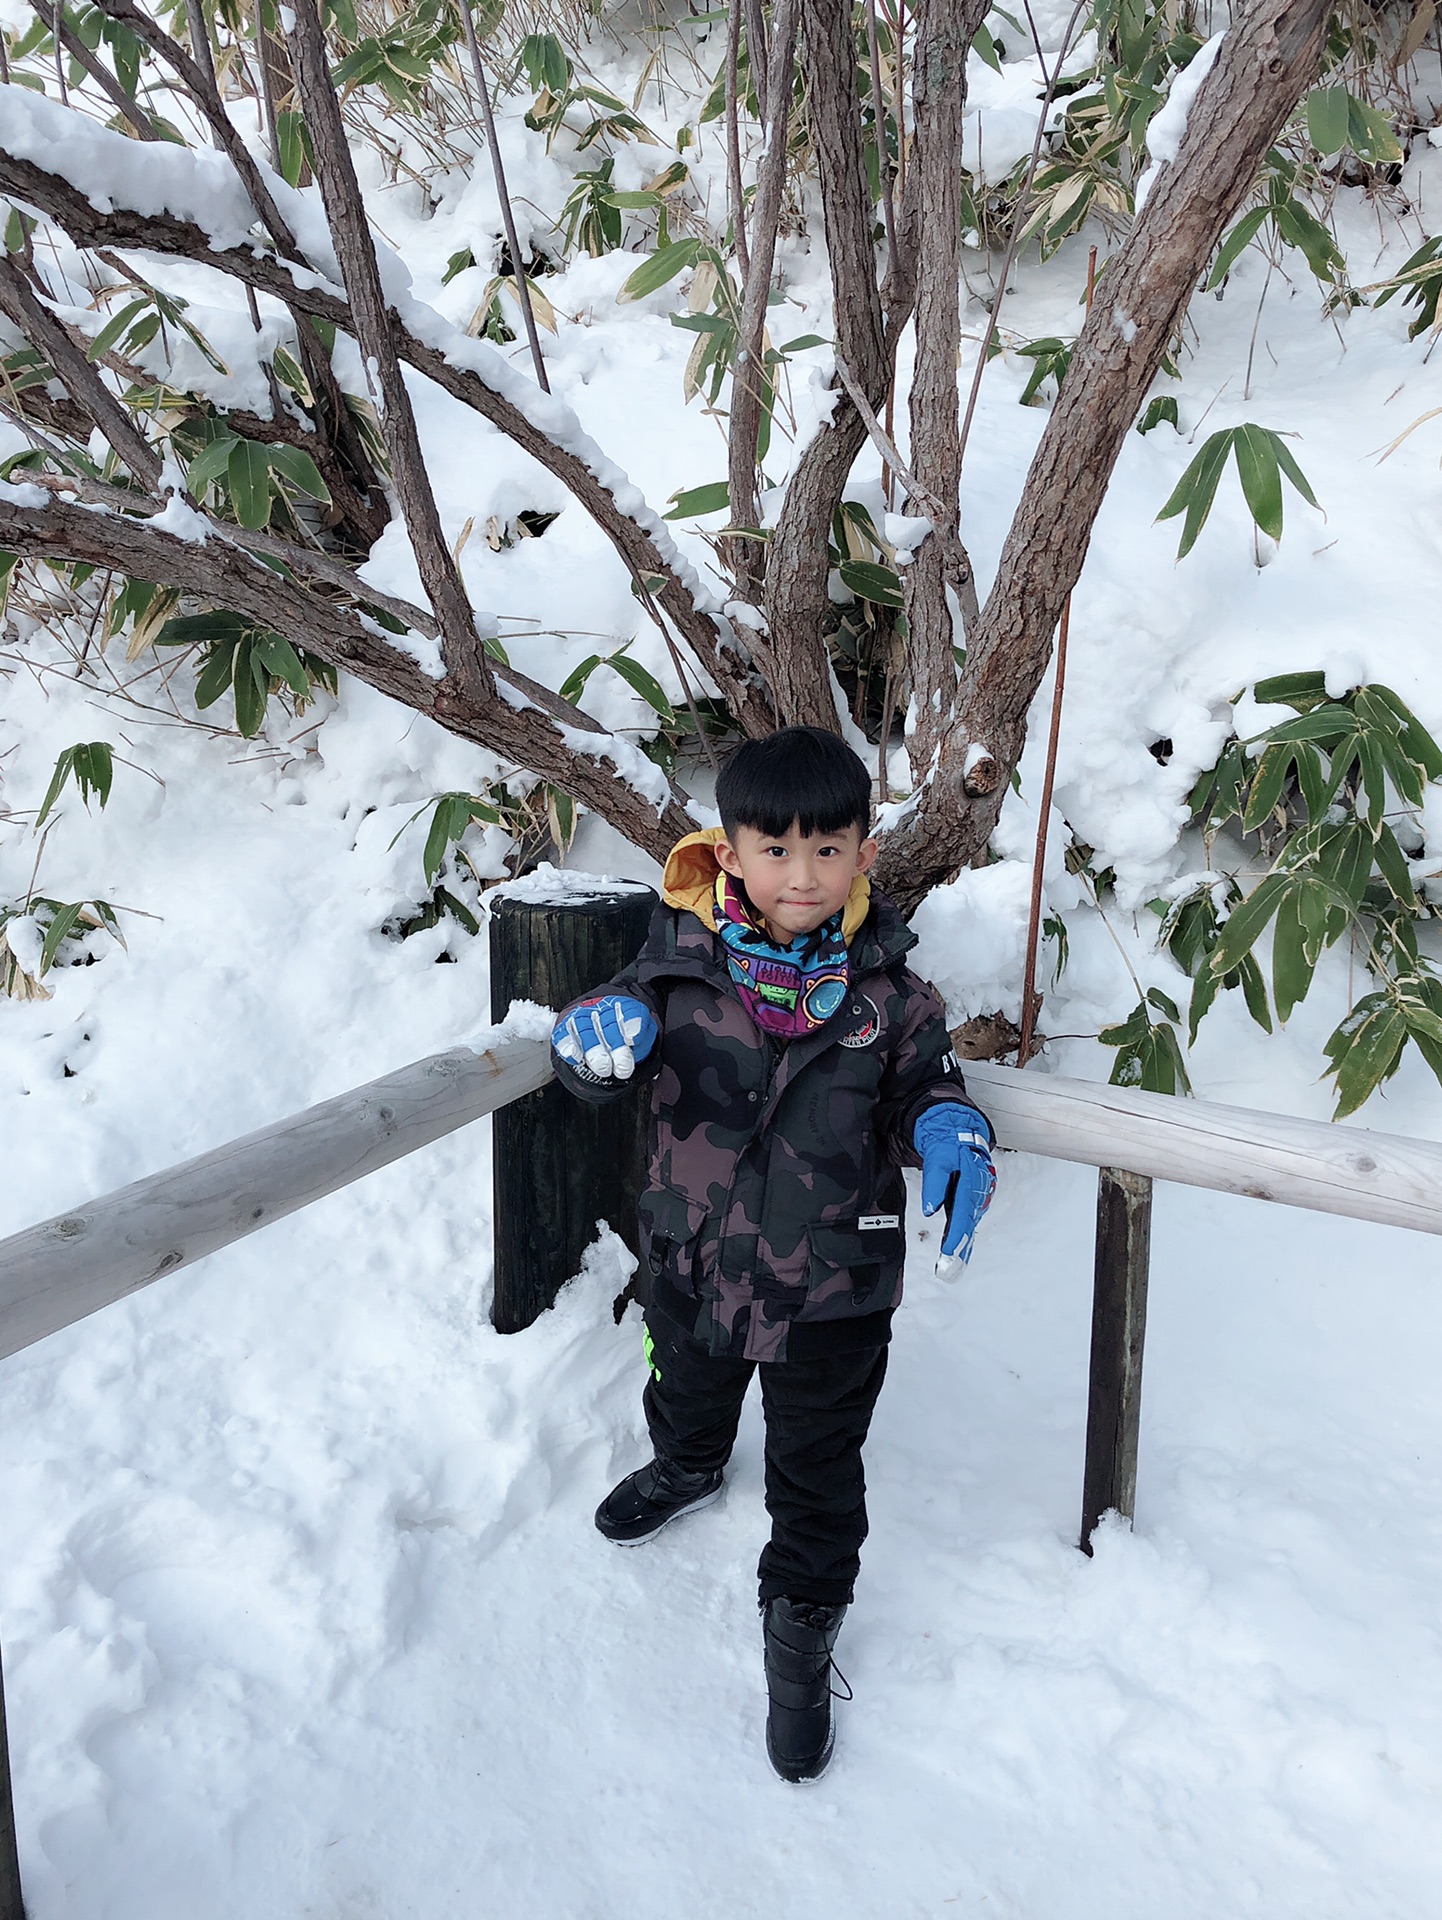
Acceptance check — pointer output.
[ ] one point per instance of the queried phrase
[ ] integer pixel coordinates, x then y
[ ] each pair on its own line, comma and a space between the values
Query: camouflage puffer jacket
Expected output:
772, 1222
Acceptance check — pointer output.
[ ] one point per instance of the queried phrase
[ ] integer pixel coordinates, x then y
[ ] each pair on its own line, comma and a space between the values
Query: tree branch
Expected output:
944, 32
527, 725
797, 564
76, 372
350, 232
748, 374
1270, 56
51, 194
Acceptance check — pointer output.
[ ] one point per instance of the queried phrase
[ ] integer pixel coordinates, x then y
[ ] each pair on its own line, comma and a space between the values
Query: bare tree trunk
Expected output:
1268, 59
944, 31
797, 564
748, 373
461, 647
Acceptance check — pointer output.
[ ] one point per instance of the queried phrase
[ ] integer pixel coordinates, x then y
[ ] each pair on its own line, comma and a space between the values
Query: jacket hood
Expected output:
692, 871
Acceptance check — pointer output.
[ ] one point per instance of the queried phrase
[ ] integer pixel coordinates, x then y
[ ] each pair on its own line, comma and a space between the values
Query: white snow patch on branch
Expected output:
1169, 123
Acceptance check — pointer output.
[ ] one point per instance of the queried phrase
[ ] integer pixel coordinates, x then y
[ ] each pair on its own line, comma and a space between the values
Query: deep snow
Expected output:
302, 1610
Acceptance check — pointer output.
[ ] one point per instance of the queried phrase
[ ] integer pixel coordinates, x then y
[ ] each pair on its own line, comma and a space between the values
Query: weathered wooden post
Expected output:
12, 1907
560, 1165
1119, 1325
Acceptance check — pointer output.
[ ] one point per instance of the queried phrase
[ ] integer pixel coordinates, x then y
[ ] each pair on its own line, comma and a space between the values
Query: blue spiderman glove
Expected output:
954, 1142
605, 1037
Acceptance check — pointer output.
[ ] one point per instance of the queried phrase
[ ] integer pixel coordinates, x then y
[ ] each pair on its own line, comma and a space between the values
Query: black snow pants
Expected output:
817, 1415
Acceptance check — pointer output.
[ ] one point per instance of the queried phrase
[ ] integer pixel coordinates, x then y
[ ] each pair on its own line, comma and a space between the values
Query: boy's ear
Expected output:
866, 855
728, 859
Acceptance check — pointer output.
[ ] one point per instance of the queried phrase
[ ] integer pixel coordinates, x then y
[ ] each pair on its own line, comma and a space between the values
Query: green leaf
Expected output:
984, 47
574, 685
1241, 237
1260, 477
1370, 135
187, 629
210, 464
632, 201
249, 687
1364, 1051
60, 926
691, 502
216, 673
457, 263
1392, 864
280, 659
868, 580
1204, 991
802, 341
663, 265
1162, 406
1300, 690
445, 827
63, 765
1197, 488
1163, 1003
1267, 784
115, 326
248, 472
301, 471
649, 688
1245, 923
94, 770
1254, 992
1327, 118
292, 139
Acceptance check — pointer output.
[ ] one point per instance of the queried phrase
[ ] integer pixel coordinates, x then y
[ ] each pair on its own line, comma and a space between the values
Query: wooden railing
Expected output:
56, 1273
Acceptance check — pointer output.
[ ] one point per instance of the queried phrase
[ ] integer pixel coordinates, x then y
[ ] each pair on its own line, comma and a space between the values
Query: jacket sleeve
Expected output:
579, 1080
921, 1072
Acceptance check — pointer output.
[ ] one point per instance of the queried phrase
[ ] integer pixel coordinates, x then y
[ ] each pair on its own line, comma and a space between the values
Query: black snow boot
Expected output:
799, 1638
644, 1501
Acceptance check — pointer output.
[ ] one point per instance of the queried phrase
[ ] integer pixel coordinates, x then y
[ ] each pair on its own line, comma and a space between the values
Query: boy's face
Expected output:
795, 880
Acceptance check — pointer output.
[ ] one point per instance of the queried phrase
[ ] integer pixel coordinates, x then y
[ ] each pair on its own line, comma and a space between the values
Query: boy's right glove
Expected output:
606, 1036
954, 1142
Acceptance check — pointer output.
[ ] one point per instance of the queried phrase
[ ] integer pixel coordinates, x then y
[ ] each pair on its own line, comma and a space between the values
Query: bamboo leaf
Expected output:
1241, 237
1327, 118
1261, 479
63, 765
1197, 488
663, 265
62, 924
1246, 922
301, 471
689, 503
649, 688
248, 473
870, 581
1267, 783
1364, 1051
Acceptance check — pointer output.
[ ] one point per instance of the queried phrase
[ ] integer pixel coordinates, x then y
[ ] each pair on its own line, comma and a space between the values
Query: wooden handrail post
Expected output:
1119, 1325
12, 1906
560, 1165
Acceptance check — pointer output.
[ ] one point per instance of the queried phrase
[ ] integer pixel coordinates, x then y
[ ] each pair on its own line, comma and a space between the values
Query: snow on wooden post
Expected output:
560, 1165
1119, 1325
12, 1907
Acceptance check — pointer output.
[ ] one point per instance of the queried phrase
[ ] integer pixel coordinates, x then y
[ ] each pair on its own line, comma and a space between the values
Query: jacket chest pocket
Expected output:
858, 1258
670, 1229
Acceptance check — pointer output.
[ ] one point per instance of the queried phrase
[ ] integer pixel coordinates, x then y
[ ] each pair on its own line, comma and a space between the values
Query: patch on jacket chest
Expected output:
865, 1033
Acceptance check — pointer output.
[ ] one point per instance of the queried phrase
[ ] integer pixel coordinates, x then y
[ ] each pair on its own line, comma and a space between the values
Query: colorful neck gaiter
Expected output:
790, 990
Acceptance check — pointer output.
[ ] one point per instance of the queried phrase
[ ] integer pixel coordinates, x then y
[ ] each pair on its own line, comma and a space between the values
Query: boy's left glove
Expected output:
954, 1142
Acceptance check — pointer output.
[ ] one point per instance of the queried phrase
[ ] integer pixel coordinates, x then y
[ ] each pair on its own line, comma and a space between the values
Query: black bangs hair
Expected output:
801, 776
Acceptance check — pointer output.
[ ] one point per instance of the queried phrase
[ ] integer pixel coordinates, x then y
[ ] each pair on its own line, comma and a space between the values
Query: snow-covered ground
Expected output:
301, 1607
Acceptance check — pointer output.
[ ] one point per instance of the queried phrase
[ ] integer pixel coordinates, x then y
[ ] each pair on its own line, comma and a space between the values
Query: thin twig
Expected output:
733, 142
508, 218
923, 496
1019, 218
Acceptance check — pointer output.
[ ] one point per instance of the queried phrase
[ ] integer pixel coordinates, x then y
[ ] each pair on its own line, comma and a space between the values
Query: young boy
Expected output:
796, 1067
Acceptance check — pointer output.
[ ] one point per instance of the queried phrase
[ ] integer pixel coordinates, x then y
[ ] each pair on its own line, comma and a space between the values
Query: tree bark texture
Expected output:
944, 32
797, 564
461, 647
744, 429
1267, 61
